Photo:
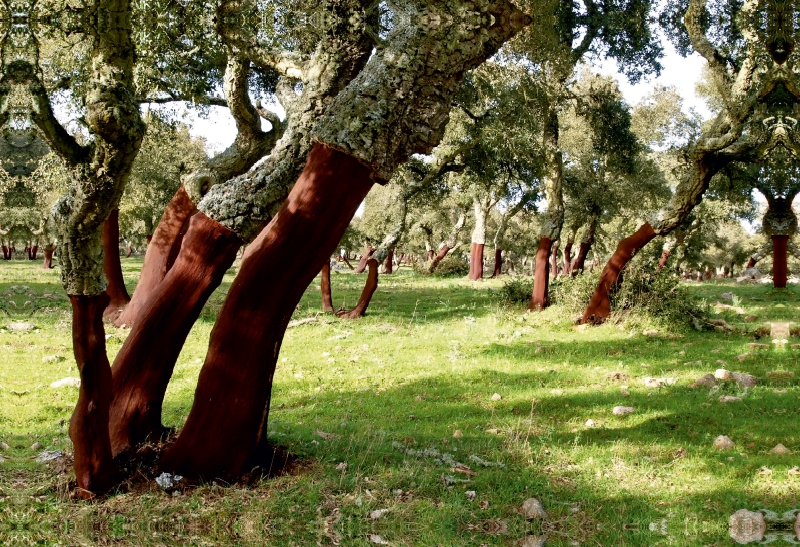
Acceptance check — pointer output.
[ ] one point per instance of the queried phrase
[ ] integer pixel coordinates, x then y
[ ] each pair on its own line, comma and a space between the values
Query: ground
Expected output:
442, 406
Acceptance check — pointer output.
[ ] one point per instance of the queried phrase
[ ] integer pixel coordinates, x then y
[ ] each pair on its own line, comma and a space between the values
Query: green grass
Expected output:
384, 389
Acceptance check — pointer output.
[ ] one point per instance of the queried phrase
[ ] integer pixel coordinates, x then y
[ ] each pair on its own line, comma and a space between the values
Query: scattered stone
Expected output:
49, 455
622, 410
756, 345
729, 399
341, 466
723, 442
780, 450
457, 434
471, 495
779, 391
707, 380
750, 318
493, 431
37, 446
693, 363
651, 332
659, 382
66, 382
378, 513
532, 509
745, 380
496, 397
779, 331
716, 350
539, 541
617, 376
747, 526
590, 423
4, 446
753, 273
378, 540
723, 375
20, 327
742, 356
168, 480
2, 459
726, 296
52, 358
624, 391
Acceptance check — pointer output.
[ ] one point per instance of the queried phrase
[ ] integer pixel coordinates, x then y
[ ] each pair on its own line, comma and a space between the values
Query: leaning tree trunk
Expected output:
541, 278
366, 295
236, 379
47, 264
448, 244
751, 263
362, 263
88, 427
112, 267
144, 364
162, 250
599, 307
325, 286
779, 256
438, 258
389, 262
587, 240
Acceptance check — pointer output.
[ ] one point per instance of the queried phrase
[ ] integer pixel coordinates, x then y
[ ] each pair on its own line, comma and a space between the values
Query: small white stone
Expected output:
780, 450
532, 509
722, 374
496, 397
729, 399
66, 382
723, 442
622, 410
590, 423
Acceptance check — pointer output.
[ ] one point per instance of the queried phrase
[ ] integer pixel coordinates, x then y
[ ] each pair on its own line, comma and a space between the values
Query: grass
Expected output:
370, 407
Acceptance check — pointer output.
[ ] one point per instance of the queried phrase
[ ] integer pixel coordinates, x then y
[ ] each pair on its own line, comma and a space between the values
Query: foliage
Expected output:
453, 265
571, 294
516, 290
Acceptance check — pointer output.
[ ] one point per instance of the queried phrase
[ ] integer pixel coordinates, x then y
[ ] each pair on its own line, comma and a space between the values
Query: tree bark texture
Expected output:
568, 257
144, 364
599, 307
325, 286
580, 260
47, 264
438, 258
366, 295
498, 263
161, 253
476, 262
541, 279
389, 262
362, 263
554, 260
229, 415
779, 255
88, 428
112, 267
33, 251
663, 260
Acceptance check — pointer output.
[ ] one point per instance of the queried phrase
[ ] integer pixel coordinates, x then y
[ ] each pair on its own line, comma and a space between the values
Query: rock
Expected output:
471, 495
779, 331
624, 391
457, 434
341, 466
37, 446
532, 509
659, 382
167, 480
378, 540
617, 376
747, 526
49, 455
539, 541
651, 332
378, 513
729, 399
726, 296
780, 450
622, 410
742, 356
707, 380
756, 345
496, 397
52, 358
590, 423
750, 318
542, 349
66, 382
723, 375
20, 327
723, 442
753, 273
745, 380
4, 446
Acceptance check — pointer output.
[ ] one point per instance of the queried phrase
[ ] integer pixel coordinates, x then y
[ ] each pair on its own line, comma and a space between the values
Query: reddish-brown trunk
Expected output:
344, 257
438, 258
362, 264
599, 307
94, 467
48, 259
541, 279
366, 294
400, 258
580, 261
325, 285
6, 253
430, 255
554, 261
32, 252
779, 267
567, 258
476, 262
389, 262
149, 238
227, 424
751, 263
498, 262
145, 362
510, 267
129, 252
663, 260
112, 267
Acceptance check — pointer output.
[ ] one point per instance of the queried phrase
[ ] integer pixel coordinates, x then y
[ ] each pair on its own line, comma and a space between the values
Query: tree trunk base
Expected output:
599, 308
366, 295
325, 286
476, 262
438, 258
779, 265
541, 279
498, 263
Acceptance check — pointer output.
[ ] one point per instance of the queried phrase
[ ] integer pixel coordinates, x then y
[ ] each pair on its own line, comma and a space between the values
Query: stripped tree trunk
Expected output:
498, 262
450, 243
541, 277
389, 262
116, 290
779, 265
366, 295
362, 263
587, 240
325, 286
554, 271
47, 264
481, 208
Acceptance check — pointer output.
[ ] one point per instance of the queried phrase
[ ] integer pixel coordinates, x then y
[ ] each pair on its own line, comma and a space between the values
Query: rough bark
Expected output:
33, 251
541, 279
161, 253
779, 265
325, 286
438, 258
498, 262
554, 261
389, 262
366, 294
116, 290
88, 428
599, 307
476, 262
228, 419
47, 264
362, 263
144, 364
664, 257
